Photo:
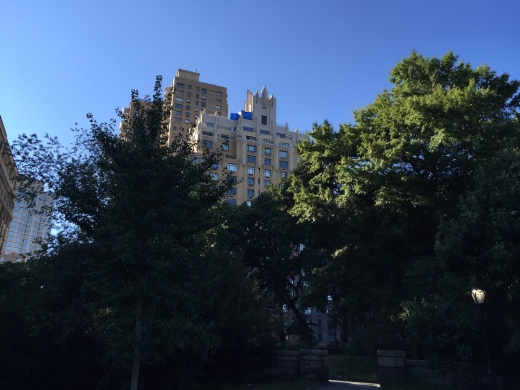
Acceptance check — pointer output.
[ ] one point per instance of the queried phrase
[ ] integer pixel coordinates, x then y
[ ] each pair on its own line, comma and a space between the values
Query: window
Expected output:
197, 95
284, 175
267, 182
284, 153
331, 338
224, 147
250, 181
232, 167
198, 89
264, 132
264, 119
280, 135
267, 172
176, 119
231, 202
250, 170
251, 159
196, 160
204, 90
203, 104
232, 191
267, 151
177, 105
186, 121
246, 128
207, 144
209, 124
250, 138
217, 107
218, 100
189, 94
180, 93
266, 141
179, 99
219, 93
232, 179
208, 133
284, 164
196, 102
214, 176
189, 86
180, 86
203, 97
250, 193
196, 109
225, 136
251, 148
188, 107
233, 129
214, 166
188, 100
196, 116
187, 114
267, 161
284, 144
177, 112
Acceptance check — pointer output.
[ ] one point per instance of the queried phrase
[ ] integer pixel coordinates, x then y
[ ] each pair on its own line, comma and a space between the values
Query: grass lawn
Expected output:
296, 385
353, 368
413, 385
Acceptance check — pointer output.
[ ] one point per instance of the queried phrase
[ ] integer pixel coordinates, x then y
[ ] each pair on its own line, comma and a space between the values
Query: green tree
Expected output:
479, 248
139, 218
384, 183
270, 242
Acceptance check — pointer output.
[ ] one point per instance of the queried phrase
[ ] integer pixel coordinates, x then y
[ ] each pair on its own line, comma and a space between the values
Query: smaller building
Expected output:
8, 177
29, 225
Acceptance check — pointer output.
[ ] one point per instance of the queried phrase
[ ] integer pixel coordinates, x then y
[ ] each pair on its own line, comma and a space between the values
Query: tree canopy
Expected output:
385, 182
133, 269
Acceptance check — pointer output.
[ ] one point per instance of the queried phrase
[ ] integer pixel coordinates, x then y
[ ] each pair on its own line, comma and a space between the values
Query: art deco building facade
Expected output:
191, 97
257, 150
27, 227
8, 174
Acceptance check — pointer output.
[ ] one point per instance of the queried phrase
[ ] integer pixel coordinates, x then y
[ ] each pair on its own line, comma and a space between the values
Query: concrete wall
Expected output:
310, 364
393, 366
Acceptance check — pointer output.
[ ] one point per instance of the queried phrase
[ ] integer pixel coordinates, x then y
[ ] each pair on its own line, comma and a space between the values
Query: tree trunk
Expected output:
282, 327
302, 323
137, 352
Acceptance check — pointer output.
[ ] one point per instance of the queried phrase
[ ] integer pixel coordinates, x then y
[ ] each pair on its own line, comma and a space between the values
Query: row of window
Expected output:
249, 148
250, 191
181, 86
251, 171
181, 100
251, 181
181, 93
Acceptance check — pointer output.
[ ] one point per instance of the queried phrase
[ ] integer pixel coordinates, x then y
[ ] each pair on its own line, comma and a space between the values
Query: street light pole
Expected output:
479, 297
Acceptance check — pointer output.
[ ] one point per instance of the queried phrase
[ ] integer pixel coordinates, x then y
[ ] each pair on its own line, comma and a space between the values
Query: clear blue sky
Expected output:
320, 59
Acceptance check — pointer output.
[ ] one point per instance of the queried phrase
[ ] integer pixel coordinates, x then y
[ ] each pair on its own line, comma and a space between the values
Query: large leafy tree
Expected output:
137, 220
384, 182
271, 244
479, 248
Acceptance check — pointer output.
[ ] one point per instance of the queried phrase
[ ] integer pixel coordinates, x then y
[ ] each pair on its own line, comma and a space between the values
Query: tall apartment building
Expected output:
8, 175
257, 150
28, 225
191, 97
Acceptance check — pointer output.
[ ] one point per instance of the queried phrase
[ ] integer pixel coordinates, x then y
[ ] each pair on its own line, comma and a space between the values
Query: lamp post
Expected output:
479, 296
